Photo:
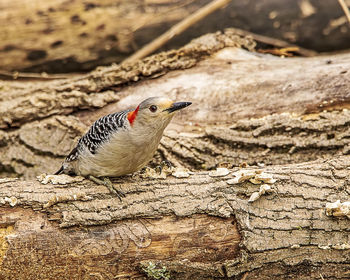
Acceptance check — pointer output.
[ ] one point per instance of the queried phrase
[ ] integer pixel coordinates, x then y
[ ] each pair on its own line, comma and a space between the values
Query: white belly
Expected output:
118, 157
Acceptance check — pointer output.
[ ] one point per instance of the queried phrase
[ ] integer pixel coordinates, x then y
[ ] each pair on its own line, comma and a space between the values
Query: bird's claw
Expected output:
107, 183
163, 164
112, 189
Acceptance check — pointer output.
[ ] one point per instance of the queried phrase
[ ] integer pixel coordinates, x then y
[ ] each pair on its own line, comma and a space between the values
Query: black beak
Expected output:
177, 106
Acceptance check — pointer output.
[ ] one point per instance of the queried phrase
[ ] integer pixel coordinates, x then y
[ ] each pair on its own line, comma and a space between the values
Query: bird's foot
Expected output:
159, 172
166, 166
107, 183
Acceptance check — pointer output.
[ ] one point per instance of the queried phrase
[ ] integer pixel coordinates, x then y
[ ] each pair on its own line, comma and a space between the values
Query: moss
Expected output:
155, 272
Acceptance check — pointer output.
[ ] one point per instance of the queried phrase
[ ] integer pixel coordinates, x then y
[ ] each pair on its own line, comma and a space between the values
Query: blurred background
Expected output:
62, 36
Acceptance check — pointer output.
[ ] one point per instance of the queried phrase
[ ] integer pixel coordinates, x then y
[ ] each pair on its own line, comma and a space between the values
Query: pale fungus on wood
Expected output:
264, 178
254, 176
11, 200
324, 247
338, 209
180, 172
338, 246
62, 179
219, 172
263, 189
343, 246
241, 176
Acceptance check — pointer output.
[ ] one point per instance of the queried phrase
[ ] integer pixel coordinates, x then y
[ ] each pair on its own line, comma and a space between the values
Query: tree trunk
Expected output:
61, 36
287, 118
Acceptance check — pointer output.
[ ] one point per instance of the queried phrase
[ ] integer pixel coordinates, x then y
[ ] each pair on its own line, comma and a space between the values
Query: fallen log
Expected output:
246, 107
71, 36
287, 118
198, 227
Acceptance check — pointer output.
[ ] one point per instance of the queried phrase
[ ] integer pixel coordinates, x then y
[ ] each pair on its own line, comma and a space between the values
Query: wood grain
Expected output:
200, 222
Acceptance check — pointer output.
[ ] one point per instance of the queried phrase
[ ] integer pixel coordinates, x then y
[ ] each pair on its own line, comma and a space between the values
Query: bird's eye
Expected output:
153, 108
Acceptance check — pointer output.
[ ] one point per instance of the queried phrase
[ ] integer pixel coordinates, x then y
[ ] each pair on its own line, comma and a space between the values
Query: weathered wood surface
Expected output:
62, 36
284, 232
239, 113
246, 107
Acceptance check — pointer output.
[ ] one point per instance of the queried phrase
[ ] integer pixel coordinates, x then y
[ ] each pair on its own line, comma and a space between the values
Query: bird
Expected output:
121, 143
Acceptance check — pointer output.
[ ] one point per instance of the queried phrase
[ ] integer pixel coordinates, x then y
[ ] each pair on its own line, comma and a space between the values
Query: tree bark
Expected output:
289, 115
65, 36
246, 107
200, 227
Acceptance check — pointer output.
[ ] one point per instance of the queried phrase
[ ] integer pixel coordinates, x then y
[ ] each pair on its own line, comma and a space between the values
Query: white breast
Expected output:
125, 153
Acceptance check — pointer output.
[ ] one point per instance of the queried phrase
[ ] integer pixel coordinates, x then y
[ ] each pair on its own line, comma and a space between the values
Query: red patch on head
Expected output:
132, 115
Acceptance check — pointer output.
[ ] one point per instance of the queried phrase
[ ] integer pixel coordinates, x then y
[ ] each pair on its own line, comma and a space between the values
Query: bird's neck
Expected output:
145, 132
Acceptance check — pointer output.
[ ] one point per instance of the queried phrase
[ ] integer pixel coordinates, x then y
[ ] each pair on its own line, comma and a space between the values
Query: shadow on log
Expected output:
73, 36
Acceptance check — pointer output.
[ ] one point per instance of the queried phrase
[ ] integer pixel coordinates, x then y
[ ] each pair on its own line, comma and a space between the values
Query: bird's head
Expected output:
155, 110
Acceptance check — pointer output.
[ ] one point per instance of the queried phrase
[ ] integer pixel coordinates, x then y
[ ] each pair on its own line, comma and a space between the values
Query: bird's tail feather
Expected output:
60, 171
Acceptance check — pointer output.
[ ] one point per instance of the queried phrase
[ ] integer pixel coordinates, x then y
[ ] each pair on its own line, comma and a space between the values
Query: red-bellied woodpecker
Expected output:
121, 143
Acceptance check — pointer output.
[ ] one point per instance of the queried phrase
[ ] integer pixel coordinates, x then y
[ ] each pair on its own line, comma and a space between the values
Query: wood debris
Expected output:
62, 179
338, 209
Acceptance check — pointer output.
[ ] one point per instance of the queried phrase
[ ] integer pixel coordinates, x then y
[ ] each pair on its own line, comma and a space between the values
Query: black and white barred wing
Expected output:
99, 132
